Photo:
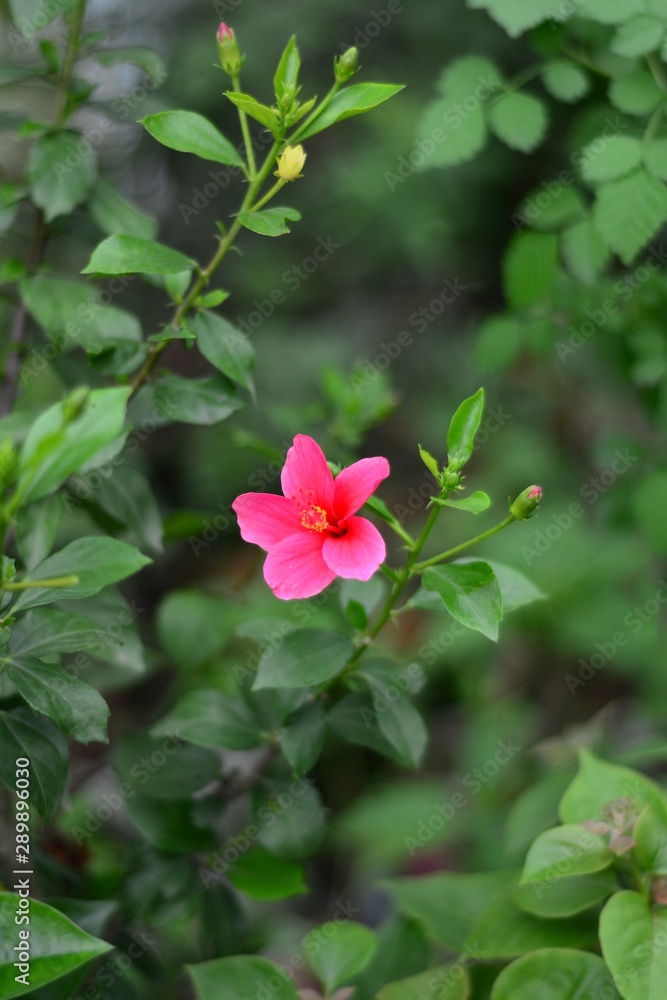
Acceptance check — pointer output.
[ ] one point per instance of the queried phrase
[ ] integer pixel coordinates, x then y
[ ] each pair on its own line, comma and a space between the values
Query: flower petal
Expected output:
295, 567
357, 554
266, 519
356, 484
306, 477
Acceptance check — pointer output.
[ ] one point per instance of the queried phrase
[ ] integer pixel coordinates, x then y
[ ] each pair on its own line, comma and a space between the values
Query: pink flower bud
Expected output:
231, 59
526, 503
224, 31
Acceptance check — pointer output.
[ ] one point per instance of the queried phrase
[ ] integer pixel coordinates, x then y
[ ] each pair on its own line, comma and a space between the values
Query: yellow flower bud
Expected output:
290, 163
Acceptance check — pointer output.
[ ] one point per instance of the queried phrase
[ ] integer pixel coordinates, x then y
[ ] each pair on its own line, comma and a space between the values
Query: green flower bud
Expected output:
231, 59
526, 503
75, 403
346, 66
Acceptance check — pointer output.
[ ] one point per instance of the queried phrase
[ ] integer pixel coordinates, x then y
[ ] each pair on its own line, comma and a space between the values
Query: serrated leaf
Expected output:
24, 733
446, 136
618, 156
529, 269
519, 120
517, 16
638, 36
74, 705
270, 222
130, 255
629, 212
585, 252
350, 101
566, 82
189, 132
470, 593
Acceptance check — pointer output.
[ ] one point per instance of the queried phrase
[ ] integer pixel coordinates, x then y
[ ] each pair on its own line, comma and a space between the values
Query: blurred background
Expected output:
385, 248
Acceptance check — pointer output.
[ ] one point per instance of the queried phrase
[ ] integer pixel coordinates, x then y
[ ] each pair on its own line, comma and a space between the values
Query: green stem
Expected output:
71, 54
316, 112
269, 195
243, 118
419, 567
206, 274
56, 581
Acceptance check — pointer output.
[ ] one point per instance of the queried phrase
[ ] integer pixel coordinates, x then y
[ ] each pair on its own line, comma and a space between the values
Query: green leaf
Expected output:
261, 875
354, 719
36, 529
470, 593
447, 905
308, 656
196, 401
449, 136
115, 215
637, 93
74, 705
192, 133
192, 627
398, 719
354, 100
585, 252
462, 429
96, 561
629, 212
285, 80
650, 833
529, 269
516, 16
566, 851
177, 772
549, 208
468, 76
444, 982
519, 120
44, 631
504, 931
260, 112
516, 589
402, 951
610, 11
128, 498
56, 945
289, 817
638, 36
474, 504
270, 222
497, 344
226, 347
655, 158
555, 974
54, 449
239, 978
61, 176
633, 944
129, 254
212, 719
171, 825
23, 733
619, 155
136, 55
599, 783
430, 462
302, 737
566, 82
565, 897
338, 951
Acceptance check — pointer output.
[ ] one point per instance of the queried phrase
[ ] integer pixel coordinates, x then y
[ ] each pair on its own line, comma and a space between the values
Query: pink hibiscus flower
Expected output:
311, 534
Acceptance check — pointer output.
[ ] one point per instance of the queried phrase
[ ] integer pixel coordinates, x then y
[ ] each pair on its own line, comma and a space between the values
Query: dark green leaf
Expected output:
192, 133
629, 212
261, 875
504, 931
226, 347
36, 529
192, 627
115, 215
213, 719
302, 737
196, 401
289, 817
529, 269
23, 733
309, 656
74, 705
97, 562
127, 496
470, 593
49, 630
338, 951
239, 978
61, 173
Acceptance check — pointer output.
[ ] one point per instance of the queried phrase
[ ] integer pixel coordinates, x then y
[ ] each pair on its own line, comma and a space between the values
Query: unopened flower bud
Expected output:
345, 67
74, 404
290, 163
231, 59
526, 503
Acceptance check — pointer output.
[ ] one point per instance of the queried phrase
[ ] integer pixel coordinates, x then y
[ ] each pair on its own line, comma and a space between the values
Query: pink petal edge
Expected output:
306, 470
294, 568
358, 553
354, 485
266, 519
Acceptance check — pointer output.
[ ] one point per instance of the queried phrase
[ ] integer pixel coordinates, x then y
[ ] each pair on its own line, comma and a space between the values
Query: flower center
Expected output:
314, 518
